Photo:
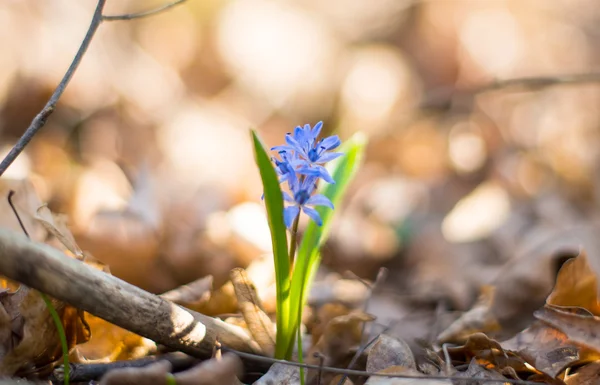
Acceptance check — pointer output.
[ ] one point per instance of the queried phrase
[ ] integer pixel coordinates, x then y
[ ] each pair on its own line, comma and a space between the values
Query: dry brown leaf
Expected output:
475, 370
224, 371
587, 375
221, 301
545, 348
318, 322
389, 351
576, 285
193, 294
259, 324
36, 345
490, 354
147, 375
478, 319
579, 327
58, 229
109, 343
26, 201
523, 284
339, 342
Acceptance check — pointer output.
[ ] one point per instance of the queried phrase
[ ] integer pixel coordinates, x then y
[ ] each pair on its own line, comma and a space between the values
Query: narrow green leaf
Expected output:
274, 205
308, 259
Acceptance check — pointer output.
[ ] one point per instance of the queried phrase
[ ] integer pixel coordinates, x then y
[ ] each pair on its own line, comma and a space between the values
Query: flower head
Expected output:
311, 154
301, 166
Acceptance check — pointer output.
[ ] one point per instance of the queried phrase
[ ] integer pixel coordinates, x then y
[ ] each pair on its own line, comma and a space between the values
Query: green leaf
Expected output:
274, 205
308, 259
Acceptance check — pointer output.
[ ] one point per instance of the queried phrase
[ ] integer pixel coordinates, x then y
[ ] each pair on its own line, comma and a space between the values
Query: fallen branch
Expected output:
48, 270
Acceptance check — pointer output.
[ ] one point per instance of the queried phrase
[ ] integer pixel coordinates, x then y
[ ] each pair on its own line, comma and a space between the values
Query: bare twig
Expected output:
40, 120
447, 95
67, 279
139, 15
351, 372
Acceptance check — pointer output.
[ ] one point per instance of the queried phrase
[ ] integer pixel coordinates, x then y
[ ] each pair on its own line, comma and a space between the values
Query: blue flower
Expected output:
303, 197
311, 154
286, 167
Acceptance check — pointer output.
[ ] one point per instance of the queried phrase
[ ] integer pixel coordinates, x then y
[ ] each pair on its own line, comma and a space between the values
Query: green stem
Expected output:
294, 240
300, 354
61, 335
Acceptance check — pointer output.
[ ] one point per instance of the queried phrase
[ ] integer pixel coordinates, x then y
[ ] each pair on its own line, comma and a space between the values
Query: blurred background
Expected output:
148, 153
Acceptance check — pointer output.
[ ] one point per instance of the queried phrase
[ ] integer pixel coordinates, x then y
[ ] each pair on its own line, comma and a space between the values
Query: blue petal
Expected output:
316, 130
323, 174
287, 197
313, 214
319, 200
309, 171
289, 214
330, 142
329, 156
293, 143
300, 135
283, 148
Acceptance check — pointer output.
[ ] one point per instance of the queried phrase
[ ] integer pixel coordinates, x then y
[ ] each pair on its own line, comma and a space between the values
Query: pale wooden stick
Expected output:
48, 270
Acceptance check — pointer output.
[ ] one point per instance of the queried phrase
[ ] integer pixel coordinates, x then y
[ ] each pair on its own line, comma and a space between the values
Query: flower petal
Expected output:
329, 156
308, 171
316, 130
294, 143
289, 214
287, 197
330, 142
313, 214
319, 200
324, 174
285, 148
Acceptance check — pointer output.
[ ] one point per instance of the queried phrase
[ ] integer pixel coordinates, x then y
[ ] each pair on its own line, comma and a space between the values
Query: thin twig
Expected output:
351, 372
40, 120
139, 15
450, 95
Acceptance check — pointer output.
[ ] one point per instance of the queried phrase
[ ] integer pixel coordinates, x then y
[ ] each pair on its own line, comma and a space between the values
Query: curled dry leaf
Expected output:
579, 327
524, 283
576, 285
587, 375
389, 351
475, 370
489, 353
224, 371
339, 342
58, 229
35, 346
478, 319
259, 324
545, 348
193, 294
147, 375
318, 322
109, 343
